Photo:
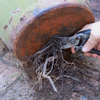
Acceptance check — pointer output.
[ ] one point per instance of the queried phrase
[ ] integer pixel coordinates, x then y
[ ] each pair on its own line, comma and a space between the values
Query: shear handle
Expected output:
83, 41
85, 32
94, 51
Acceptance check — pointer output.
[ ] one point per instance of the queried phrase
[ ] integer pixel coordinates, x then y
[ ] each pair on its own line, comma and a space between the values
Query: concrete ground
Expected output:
14, 84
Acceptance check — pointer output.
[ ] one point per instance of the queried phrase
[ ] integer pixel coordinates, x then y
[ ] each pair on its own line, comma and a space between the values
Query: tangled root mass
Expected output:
47, 60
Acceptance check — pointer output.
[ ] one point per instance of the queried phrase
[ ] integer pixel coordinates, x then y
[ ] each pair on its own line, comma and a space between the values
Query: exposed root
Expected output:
49, 63
48, 59
46, 75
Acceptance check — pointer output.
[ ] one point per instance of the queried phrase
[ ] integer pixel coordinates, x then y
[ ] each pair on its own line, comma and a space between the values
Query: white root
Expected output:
44, 72
39, 52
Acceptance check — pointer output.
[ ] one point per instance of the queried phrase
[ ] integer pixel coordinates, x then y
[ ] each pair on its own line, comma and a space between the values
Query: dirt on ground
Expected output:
82, 81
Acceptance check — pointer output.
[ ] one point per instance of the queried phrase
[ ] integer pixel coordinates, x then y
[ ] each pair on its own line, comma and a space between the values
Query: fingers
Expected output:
98, 57
94, 36
90, 43
94, 55
93, 40
98, 46
73, 50
87, 54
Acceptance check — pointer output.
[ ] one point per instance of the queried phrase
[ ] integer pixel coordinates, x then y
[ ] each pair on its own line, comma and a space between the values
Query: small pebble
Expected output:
84, 98
51, 93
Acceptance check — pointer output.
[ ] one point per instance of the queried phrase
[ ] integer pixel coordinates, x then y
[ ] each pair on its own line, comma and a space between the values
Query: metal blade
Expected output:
68, 42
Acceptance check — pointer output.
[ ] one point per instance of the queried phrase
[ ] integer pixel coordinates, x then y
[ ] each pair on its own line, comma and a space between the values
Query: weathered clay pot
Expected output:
27, 25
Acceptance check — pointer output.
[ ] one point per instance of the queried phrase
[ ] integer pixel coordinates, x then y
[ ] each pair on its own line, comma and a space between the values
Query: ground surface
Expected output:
15, 85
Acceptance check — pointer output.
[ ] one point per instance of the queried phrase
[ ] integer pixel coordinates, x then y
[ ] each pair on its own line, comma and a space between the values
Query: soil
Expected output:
83, 83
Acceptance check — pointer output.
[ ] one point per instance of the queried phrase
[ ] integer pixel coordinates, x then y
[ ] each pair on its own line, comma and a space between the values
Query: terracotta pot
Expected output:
27, 25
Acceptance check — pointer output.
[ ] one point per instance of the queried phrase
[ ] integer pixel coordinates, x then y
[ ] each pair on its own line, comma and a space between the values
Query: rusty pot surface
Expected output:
30, 27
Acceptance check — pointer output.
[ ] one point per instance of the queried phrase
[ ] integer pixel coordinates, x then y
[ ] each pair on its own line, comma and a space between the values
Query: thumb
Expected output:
90, 43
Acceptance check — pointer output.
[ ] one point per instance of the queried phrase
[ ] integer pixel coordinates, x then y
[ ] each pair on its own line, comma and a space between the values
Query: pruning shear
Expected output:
77, 41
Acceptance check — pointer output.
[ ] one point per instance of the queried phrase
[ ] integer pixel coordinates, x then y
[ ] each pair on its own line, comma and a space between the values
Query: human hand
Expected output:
93, 41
